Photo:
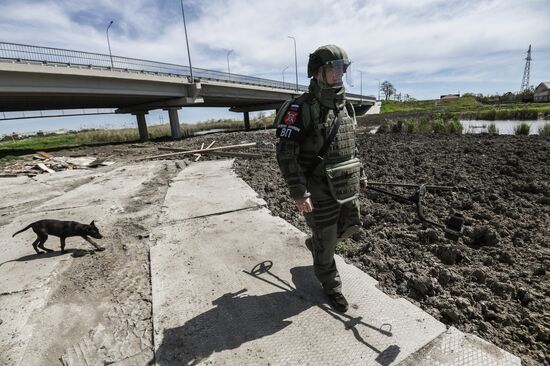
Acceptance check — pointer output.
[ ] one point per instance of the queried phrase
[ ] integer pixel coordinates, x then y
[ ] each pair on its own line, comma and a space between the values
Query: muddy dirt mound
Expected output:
494, 281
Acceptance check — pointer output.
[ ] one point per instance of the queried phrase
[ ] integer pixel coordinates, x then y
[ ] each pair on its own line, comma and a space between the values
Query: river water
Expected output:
504, 127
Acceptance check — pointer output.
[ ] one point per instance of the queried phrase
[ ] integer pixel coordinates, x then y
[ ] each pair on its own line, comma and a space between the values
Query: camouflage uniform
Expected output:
303, 125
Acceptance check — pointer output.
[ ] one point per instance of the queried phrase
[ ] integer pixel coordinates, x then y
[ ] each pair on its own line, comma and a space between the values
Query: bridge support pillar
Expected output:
246, 121
174, 122
142, 125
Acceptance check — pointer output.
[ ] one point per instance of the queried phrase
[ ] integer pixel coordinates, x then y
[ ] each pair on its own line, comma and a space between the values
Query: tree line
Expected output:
390, 91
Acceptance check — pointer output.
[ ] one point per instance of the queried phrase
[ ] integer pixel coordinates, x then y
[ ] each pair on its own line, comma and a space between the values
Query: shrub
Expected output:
397, 127
492, 129
438, 126
384, 128
503, 114
454, 126
486, 115
411, 126
545, 130
424, 126
522, 129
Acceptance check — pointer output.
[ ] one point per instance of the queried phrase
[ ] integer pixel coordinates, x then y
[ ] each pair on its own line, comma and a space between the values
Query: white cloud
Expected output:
420, 42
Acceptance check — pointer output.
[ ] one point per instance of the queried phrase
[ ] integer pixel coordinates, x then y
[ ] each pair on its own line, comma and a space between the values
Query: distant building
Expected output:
450, 96
542, 92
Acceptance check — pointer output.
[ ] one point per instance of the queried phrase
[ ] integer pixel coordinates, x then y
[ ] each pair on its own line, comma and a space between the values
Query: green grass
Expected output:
492, 129
467, 107
545, 130
40, 142
440, 124
342, 248
522, 129
460, 104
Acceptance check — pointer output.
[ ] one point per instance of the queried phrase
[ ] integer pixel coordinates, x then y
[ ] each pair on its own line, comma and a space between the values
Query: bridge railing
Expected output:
48, 55
21, 52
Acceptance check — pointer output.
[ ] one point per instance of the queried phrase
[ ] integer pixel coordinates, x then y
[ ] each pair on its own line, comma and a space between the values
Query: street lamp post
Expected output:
378, 88
187, 42
109, 43
361, 72
228, 69
295, 60
284, 76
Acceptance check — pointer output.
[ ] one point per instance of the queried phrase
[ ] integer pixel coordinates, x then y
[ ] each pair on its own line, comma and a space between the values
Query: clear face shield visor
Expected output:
331, 74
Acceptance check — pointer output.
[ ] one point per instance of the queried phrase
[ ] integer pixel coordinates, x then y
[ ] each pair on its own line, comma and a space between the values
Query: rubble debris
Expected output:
50, 164
202, 148
44, 154
45, 168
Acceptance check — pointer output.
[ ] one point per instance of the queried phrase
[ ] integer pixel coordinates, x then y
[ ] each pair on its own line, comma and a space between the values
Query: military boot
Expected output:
309, 244
338, 302
348, 232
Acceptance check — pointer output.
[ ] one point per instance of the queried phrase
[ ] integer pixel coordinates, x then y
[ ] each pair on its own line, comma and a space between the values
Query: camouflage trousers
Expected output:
330, 222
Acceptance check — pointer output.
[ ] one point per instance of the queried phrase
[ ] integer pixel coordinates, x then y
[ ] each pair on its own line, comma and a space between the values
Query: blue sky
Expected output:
424, 47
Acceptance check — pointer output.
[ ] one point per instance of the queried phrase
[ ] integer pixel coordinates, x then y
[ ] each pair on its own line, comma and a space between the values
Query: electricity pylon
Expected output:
525, 81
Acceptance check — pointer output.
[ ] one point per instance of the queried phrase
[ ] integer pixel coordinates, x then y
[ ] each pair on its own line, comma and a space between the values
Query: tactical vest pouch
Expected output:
343, 180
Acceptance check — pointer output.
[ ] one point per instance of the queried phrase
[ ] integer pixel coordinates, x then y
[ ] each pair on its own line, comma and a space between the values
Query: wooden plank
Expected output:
45, 154
202, 148
237, 154
183, 152
45, 168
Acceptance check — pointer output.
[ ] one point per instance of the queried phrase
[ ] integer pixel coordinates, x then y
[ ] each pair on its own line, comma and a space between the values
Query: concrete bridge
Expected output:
42, 78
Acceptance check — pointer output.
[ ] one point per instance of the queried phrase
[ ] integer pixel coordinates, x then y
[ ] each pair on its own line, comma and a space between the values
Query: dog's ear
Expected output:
92, 223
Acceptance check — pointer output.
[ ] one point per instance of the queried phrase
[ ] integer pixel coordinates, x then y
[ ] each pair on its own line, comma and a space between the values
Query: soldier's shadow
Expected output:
238, 318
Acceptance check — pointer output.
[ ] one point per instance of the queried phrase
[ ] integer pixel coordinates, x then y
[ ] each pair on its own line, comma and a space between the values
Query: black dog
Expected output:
62, 229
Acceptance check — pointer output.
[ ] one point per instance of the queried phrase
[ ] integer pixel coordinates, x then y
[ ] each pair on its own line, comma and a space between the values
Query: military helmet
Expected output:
323, 55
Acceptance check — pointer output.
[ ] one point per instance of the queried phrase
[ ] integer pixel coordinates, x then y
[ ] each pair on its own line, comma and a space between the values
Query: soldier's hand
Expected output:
304, 205
364, 183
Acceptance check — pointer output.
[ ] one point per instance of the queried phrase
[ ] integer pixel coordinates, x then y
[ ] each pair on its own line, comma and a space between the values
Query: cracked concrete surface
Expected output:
53, 303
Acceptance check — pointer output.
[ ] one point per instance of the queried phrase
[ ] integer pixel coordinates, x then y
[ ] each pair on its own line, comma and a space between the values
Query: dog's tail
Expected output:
20, 231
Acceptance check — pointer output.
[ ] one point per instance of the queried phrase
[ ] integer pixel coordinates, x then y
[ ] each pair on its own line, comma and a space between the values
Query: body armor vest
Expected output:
318, 122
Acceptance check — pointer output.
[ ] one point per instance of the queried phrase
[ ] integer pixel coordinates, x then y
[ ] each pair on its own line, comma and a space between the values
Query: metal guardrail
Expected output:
48, 55
21, 53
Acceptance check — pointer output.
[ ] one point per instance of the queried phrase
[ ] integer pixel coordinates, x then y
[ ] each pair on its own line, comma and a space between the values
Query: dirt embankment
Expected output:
377, 119
493, 282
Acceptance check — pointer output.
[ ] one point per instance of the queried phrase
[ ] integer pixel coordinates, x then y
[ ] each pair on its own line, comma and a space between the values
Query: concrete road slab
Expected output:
208, 305
235, 286
26, 278
41, 187
110, 188
454, 348
375, 109
202, 191
15, 311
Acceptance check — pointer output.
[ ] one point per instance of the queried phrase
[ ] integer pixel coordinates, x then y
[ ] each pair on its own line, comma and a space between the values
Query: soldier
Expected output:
317, 156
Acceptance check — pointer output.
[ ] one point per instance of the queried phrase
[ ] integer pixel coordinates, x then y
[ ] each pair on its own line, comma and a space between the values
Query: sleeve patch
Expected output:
290, 117
290, 127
